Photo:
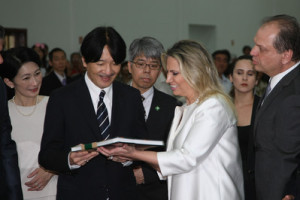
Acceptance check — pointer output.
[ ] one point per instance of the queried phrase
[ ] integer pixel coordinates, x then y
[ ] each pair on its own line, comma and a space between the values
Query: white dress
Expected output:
27, 132
203, 160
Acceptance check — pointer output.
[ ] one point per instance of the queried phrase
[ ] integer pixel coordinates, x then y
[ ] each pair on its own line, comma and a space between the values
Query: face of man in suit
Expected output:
103, 72
143, 78
59, 62
266, 58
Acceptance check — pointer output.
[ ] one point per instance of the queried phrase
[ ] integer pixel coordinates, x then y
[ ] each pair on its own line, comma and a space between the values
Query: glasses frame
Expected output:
145, 65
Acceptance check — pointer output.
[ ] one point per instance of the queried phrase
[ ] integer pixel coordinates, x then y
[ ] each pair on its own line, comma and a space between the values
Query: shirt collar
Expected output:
148, 93
59, 76
275, 79
95, 90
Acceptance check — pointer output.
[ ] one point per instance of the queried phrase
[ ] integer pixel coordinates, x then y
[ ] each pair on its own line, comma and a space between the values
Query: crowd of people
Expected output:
231, 127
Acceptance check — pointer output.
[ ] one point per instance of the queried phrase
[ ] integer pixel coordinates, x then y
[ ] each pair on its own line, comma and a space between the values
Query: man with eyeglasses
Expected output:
145, 67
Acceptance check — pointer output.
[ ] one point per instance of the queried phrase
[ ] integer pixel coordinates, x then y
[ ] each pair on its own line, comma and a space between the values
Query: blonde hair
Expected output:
198, 69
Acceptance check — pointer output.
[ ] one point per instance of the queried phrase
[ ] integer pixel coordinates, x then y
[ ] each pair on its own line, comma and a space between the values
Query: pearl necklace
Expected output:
19, 111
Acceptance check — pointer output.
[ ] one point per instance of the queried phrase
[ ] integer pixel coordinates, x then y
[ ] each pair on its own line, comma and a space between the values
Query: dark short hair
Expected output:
288, 37
2, 32
224, 52
94, 42
53, 51
14, 58
246, 47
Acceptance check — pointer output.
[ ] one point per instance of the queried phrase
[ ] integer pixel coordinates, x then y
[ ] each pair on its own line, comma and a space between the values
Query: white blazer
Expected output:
203, 159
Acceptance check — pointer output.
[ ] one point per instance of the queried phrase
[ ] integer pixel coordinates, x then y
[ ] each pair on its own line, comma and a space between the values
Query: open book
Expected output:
139, 143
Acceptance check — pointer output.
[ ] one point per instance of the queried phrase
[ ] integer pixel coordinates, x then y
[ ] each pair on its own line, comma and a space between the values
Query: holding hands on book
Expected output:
130, 152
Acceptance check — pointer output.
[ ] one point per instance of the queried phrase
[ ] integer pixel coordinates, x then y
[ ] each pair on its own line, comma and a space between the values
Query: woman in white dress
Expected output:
202, 160
20, 70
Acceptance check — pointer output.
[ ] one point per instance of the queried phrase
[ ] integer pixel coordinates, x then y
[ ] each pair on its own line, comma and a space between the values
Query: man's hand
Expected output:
139, 175
82, 157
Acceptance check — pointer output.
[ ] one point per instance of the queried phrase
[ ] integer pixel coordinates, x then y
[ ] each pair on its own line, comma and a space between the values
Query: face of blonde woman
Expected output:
27, 82
178, 84
243, 76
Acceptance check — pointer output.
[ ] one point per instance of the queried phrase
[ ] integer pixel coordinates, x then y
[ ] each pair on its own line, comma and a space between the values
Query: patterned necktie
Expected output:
102, 117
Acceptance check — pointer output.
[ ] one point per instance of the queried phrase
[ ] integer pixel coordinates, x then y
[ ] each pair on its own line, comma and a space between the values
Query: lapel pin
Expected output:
157, 108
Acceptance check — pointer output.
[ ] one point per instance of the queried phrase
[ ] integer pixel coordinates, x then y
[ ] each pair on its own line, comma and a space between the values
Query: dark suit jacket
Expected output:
158, 125
70, 120
51, 83
10, 183
277, 139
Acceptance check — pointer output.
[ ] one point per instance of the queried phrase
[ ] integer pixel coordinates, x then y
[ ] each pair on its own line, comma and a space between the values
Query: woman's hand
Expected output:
118, 153
40, 178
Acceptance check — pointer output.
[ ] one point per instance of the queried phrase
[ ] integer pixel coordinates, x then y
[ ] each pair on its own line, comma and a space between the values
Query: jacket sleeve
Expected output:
9, 156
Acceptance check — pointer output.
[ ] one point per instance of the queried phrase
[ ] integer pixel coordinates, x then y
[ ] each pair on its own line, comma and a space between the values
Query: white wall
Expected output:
60, 23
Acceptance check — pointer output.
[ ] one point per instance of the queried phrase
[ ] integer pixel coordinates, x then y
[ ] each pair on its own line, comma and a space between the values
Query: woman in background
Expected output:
244, 79
202, 160
20, 70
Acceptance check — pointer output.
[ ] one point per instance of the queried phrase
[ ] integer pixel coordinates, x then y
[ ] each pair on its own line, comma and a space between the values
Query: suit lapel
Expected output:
154, 109
84, 103
117, 105
284, 82
181, 115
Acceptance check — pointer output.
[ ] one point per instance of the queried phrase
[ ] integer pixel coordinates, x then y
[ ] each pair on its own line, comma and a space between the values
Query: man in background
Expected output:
145, 66
221, 59
57, 77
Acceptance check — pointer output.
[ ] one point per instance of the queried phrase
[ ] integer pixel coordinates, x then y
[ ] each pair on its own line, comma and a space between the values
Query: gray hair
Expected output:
146, 46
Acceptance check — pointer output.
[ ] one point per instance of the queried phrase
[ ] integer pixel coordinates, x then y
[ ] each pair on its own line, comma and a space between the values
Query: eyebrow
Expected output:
28, 74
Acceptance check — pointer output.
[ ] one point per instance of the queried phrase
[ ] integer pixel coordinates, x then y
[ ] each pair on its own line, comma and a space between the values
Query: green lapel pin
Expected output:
157, 108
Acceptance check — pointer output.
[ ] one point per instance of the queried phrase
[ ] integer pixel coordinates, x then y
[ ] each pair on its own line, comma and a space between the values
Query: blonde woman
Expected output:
20, 70
202, 160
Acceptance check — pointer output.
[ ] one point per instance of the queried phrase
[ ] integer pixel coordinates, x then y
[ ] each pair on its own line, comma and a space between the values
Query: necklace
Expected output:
25, 114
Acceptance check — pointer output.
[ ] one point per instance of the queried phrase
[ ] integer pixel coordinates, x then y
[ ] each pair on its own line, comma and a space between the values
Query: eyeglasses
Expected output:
143, 65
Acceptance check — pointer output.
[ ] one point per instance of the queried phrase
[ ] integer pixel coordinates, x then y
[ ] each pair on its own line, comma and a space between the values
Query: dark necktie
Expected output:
268, 90
102, 117
64, 82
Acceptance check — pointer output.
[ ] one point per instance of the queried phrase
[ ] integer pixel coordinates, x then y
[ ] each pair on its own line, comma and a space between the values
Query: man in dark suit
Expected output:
277, 124
145, 67
72, 118
57, 78
10, 182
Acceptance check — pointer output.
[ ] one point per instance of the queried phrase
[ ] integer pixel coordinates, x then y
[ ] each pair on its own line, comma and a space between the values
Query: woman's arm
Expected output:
129, 152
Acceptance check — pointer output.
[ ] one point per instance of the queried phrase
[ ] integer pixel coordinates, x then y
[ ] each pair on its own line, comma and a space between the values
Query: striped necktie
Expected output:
102, 116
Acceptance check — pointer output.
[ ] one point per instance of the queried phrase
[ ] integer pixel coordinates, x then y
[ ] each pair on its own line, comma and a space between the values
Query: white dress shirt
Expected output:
95, 92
